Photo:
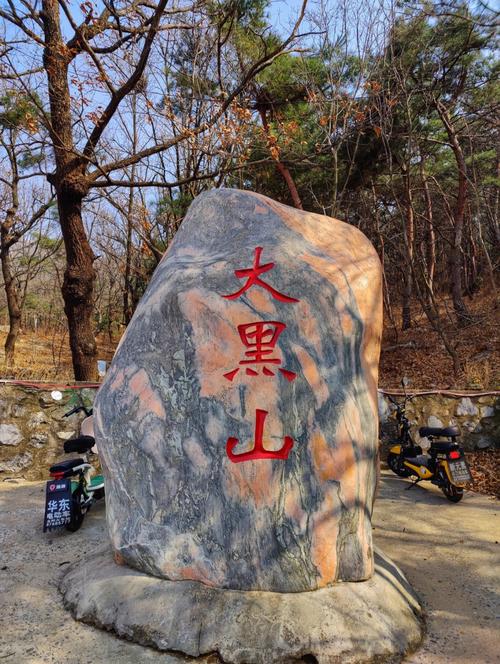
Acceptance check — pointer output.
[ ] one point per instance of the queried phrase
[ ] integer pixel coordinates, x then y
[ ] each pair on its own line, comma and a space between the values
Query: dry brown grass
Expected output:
45, 356
425, 361
478, 373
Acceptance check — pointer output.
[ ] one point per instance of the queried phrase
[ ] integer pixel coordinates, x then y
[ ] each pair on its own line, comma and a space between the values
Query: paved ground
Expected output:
450, 553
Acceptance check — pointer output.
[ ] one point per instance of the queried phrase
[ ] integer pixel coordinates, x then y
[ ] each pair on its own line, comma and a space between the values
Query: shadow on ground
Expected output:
450, 554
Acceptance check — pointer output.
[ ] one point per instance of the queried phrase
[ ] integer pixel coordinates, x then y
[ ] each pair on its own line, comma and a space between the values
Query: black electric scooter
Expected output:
73, 487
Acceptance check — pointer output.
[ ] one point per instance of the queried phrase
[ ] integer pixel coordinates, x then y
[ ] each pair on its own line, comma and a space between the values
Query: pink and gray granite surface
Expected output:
239, 434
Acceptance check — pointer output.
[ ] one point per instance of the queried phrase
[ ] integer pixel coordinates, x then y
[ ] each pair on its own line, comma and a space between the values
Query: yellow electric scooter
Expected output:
444, 464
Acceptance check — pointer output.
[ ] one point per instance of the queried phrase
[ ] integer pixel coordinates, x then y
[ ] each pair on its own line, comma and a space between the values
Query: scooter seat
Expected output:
66, 465
79, 445
443, 446
434, 432
420, 460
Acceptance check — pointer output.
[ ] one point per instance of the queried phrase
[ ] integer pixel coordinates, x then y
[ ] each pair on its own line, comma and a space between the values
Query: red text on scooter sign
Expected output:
57, 487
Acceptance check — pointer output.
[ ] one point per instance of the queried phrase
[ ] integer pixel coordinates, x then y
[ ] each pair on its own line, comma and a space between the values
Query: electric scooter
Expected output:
74, 487
445, 465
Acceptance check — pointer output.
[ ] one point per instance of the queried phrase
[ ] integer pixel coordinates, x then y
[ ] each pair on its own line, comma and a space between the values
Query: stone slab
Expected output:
379, 620
10, 434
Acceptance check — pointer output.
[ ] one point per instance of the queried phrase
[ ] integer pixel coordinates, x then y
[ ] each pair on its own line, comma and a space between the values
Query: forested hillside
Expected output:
114, 116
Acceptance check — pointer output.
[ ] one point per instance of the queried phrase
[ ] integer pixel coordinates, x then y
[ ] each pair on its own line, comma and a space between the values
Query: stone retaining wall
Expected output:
476, 415
33, 430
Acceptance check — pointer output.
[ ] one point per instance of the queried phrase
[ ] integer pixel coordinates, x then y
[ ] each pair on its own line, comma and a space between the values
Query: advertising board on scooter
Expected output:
57, 504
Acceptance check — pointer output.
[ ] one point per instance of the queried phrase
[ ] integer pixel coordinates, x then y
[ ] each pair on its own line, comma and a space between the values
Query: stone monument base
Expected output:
378, 620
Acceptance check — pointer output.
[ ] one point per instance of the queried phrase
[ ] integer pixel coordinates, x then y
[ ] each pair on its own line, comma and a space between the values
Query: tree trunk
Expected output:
128, 309
13, 308
71, 187
280, 166
431, 310
478, 216
491, 270
406, 302
6, 240
127, 286
472, 270
78, 286
381, 250
409, 242
461, 312
430, 235
287, 176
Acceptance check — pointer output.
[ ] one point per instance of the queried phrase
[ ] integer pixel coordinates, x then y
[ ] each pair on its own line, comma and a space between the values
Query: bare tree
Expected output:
16, 129
106, 56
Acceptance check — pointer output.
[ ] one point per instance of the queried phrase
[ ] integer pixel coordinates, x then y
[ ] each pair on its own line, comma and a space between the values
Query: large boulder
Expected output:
237, 424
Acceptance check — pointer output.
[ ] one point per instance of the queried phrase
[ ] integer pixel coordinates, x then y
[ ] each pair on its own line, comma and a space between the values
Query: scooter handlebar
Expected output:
87, 411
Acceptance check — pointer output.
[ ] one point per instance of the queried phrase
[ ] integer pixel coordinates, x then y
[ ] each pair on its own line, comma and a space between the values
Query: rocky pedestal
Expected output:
237, 424
378, 620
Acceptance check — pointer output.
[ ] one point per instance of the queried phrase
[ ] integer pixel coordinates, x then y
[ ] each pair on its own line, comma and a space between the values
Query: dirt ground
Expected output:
450, 553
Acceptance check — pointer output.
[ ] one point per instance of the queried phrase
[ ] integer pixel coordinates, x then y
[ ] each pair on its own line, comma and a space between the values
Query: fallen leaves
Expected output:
485, 470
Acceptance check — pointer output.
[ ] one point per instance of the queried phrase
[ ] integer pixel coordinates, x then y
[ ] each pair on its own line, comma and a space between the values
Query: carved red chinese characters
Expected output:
260, 338
254, 279
258, 451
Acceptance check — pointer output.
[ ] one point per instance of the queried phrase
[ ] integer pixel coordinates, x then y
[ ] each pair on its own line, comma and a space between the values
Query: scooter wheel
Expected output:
77, 513
452, 492
394, 463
